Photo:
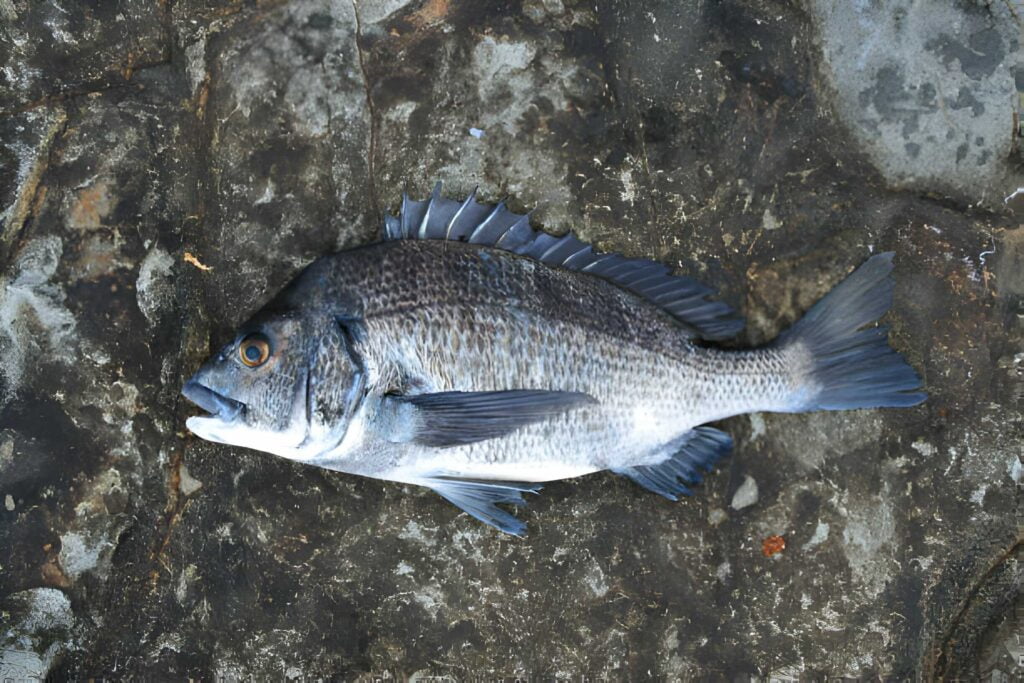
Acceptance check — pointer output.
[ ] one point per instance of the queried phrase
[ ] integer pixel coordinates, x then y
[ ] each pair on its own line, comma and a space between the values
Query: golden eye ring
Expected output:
254, 350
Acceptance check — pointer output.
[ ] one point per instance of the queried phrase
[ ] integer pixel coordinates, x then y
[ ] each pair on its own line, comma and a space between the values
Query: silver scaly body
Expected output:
480, 319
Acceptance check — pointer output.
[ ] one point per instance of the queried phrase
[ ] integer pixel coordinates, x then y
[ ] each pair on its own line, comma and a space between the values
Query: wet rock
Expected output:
143, 219
55, 49
38, 630
929, 92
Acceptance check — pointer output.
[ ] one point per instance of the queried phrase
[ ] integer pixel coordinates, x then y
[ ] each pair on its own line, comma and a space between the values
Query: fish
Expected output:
468, 353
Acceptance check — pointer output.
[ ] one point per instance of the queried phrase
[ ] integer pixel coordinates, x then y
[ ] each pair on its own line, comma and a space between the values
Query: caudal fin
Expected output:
841, 366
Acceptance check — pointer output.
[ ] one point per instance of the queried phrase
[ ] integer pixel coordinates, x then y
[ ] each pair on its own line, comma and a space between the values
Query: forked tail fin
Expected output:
838, 365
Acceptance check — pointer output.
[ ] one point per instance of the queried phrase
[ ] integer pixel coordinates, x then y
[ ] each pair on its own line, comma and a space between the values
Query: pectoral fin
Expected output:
455, 418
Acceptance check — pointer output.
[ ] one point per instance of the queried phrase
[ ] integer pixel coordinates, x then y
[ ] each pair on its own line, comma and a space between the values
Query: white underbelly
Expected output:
534, 471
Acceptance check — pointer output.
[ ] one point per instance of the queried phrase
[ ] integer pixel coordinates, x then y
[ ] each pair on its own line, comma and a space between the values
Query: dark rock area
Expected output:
166, 167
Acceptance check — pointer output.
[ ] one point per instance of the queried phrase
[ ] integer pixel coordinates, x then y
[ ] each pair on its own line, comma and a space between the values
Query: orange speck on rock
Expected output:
432, 12
190, 258
53, 575
773, 545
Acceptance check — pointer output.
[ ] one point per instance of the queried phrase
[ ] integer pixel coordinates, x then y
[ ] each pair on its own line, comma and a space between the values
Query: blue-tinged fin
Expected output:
456, 418
843, 366
392, 228
493, 225
695, 454
480, 498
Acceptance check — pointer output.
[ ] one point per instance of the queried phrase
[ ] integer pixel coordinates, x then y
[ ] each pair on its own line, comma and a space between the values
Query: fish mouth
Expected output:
217, 405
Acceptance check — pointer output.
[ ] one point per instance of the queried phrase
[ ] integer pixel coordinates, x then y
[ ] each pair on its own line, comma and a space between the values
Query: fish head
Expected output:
286, 384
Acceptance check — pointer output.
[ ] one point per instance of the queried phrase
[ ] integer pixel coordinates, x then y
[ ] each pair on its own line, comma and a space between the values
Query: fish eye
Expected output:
254, 350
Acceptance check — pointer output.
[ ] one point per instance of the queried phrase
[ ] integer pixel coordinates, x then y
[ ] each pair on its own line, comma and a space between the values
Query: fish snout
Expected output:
227, 409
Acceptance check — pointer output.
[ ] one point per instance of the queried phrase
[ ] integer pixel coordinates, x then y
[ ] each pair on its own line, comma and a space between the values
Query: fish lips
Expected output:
219, 406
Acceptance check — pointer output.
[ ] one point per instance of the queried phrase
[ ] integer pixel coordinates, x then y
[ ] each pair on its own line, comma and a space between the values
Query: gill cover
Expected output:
336, 387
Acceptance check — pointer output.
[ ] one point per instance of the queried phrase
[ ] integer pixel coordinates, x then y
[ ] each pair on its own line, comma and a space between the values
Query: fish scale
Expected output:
472, 355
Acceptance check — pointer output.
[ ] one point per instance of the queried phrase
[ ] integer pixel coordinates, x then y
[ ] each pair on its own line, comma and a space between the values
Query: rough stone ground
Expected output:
767, 147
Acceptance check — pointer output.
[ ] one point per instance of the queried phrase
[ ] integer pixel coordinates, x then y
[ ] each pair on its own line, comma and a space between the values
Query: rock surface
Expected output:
166, 168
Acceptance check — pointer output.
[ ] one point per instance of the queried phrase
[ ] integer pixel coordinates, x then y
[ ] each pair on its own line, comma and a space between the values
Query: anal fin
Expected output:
480, 498
697, 452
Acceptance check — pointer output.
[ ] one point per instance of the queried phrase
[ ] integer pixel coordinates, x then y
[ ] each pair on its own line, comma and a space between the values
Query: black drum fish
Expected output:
470, 354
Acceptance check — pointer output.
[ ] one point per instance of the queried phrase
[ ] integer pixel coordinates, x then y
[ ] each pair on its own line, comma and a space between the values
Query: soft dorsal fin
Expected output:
493, 225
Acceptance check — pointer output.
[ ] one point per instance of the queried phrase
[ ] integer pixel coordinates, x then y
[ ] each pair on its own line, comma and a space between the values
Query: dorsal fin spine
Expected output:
553, 248
597, 262
570, 257
662, 289
469, 200
435, 196
649, 278
405, 215
621, 269
521, 221
496, 211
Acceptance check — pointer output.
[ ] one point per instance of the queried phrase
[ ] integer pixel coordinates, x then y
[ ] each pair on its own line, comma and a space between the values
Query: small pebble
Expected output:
746, 494
716, 516
188, 484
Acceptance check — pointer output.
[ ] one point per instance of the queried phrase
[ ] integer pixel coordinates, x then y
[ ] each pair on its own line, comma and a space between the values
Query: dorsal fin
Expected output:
493, 225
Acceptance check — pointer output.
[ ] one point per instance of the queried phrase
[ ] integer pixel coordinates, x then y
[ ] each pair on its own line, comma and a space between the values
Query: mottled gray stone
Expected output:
146, 212
928, 90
